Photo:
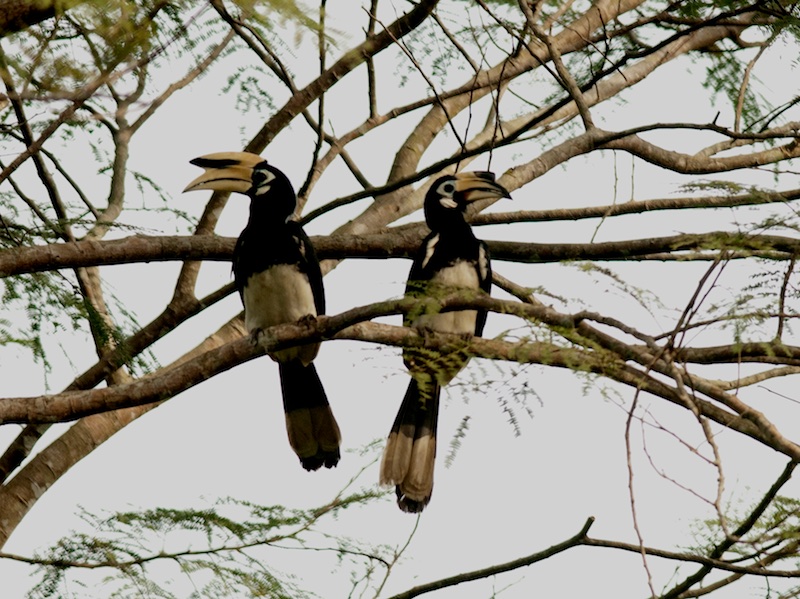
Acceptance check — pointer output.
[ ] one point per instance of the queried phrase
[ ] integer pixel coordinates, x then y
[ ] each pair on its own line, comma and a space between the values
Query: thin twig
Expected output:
565, 78
573, 541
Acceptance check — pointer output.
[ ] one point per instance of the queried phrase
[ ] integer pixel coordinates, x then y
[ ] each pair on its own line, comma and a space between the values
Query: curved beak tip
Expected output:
480, 185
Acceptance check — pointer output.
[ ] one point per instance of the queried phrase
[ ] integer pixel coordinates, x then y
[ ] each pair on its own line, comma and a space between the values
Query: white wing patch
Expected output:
300, 245
483, 263
429, 249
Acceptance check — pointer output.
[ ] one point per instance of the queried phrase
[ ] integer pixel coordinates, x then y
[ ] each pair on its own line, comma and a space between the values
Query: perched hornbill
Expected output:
279, 280
449, 257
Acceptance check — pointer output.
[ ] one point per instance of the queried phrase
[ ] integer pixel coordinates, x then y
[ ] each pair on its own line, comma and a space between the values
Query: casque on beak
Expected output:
225, 171
479, 185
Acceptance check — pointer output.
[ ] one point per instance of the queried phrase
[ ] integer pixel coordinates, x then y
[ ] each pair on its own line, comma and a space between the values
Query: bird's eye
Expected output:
262, 176
447, 189
262, 181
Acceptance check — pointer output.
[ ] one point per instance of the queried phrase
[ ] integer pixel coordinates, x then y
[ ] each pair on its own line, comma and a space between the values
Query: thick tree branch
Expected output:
701, 165
16, 15
399, 242
20, 494
751, 198
351, 325
173, 315
573, 36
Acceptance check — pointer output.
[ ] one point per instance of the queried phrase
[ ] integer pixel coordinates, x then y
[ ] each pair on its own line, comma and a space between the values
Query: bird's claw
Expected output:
260, 338
308, 320
426, 331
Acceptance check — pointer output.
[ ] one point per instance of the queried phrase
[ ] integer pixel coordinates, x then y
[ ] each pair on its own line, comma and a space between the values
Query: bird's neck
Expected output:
453, 226
268, 215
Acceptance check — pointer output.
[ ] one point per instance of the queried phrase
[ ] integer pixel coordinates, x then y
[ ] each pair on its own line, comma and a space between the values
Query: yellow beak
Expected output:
225, 171
479, 185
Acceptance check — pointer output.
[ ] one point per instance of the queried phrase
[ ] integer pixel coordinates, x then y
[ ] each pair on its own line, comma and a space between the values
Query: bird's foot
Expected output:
261, 338
309, 320
426, 331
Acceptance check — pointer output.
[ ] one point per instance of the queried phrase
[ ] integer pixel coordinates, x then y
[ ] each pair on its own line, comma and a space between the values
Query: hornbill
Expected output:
449, 257
279, 280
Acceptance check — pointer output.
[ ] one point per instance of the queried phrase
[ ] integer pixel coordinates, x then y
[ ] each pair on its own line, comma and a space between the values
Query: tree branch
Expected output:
574, 541
397, 242
352, 59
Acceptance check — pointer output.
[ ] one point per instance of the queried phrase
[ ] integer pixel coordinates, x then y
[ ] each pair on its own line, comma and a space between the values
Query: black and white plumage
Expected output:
279, 280
450, 257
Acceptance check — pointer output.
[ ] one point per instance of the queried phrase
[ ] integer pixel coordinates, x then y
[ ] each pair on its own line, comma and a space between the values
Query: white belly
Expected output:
461, 275
462, 322
277, 295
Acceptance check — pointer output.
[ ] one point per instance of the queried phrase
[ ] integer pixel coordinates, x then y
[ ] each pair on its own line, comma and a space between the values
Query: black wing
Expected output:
423, 266
257, 250
309, 263
240, 262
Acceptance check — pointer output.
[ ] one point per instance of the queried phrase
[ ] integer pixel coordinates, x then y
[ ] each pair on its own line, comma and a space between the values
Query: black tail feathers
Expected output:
410, 454
312, 429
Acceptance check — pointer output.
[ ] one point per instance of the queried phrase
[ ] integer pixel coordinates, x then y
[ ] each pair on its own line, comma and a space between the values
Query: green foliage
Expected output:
729, 188
224, 550
49, 62
643, 297
50, 304
773, 541
277, 14
46, 304
251, 84
728, 60
698, 9
509, 386
725, 76
61, 56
